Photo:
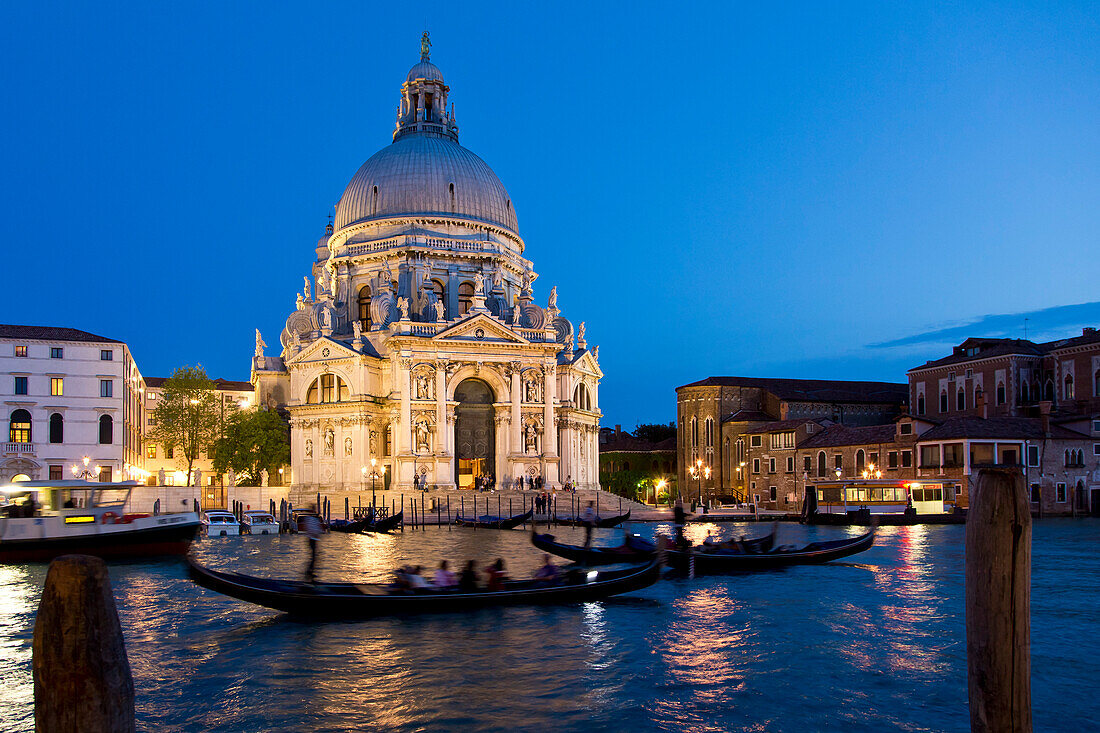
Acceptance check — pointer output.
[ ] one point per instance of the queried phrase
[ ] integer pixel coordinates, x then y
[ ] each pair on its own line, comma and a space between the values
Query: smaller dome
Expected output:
425, 70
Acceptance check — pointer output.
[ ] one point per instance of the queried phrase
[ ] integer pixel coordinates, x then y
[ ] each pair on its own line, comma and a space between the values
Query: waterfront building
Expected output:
715, 414
165, 468
416, 346
627, 461
69, 395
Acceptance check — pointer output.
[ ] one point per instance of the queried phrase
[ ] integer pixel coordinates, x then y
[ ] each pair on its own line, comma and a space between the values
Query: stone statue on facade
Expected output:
530, 443
580, 333
403, 306
516, 313
299, 302
333, 284
357, 330
596, 353
259, 344
347, 446
263, 477
326, 318
532, 390
231, 477
498, 279
440, 311
330, 442
387, 272
479, 284
422, 387
305, 290
422, 436
160, 477
526, 284
309, 447
553, 297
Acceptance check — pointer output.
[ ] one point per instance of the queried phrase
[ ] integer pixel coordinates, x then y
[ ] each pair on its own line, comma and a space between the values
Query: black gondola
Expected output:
605, 522
358, 600
756, 554
492, 521
366, 525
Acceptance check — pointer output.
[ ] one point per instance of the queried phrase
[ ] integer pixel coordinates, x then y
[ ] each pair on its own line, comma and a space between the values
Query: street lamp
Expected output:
660, 487
374, 475
871, 472
699, 472
86, 473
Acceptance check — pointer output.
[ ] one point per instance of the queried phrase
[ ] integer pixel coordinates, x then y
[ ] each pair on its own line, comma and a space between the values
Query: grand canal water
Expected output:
877, 643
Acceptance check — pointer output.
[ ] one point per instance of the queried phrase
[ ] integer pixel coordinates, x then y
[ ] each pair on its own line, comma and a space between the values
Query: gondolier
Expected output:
311, 525
588, 519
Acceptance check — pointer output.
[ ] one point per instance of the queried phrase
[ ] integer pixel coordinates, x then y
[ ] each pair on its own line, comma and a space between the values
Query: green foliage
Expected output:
655, 433
253, 440
188, 415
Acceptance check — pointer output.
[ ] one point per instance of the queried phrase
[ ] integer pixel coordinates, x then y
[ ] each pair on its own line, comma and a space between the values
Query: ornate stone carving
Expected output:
553, 302
403, 306
309, 448
330, 441
347, 446
259, 344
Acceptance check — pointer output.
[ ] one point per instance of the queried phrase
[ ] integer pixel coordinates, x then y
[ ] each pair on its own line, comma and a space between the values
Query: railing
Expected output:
19, 448
456, 245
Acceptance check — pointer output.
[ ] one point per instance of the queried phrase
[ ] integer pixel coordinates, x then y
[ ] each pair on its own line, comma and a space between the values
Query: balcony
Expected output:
18, 449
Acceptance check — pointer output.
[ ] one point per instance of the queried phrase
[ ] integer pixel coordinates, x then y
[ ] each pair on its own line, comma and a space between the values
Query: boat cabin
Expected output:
881, 496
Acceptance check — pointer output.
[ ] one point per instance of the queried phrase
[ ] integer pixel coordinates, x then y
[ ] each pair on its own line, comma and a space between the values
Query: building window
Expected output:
953, 455
105, 475
907, 459
1025, 392
1001, 399
771, 465
709, 430
821, 464
57, 386
1036, 494
151, 396
19, 427
22, 351
872, 458
151, 451
861, 461
838, 462
56, 352
755, 441
1061, 493
581, 399
783, 440
465, 298
694, 432
57, 473
1096, 384
327, 388
106, 388
771, 493
151, 421
170, 452
906, 428
943, 400
106, 355
1096, 449
892, 459
364, 307
790, 464
21, 385
920, 404
1069, 387
756, 465
57, 428
807, 464
960, 399
106, 430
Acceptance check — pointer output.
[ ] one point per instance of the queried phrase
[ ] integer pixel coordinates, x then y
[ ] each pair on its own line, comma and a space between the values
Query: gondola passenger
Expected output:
496, 575
467, 580
548, 574
444, 579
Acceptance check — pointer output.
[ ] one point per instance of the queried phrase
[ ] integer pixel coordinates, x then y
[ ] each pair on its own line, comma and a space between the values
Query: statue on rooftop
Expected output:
305, 290
259, 344
425, 47
553, 297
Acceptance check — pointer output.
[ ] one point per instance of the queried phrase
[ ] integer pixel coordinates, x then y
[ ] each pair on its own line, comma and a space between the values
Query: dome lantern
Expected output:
424, 100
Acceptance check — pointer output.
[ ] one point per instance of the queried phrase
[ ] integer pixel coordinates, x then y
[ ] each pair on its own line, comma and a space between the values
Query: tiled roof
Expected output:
51, 333
748, 416
989, 348
223, 384
1089, 336
838, 435
1020, 428
815, 390
781, 425
627, 443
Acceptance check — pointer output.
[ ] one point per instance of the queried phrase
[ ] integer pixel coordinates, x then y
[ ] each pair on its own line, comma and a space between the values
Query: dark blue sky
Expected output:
797, 191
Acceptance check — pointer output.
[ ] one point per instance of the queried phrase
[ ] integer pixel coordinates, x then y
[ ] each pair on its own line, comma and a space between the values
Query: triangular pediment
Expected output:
480, 329
586, 363
324, 349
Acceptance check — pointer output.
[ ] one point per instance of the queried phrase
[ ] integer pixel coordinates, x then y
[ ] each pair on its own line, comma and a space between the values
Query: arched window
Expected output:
943, 400
1049, 390
960, 399
821, 464
581, 398
861, 460
57, 428
626, 465
1001, 393
440, 293
1068, 392
19, 427
106, 430
327, 388
1096, 384
694, 432
388, 441
1066, 460
1025, 392
465, 298
710, 432
920, 404
364, 307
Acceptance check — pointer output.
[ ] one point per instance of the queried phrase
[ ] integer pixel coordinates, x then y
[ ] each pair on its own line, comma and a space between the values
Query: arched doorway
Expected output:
475, 441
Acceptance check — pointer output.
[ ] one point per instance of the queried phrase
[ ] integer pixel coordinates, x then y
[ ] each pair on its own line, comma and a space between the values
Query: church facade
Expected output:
416, 347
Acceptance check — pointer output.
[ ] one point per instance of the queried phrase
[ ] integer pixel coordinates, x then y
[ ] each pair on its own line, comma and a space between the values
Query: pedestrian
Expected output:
588, 519
311, 524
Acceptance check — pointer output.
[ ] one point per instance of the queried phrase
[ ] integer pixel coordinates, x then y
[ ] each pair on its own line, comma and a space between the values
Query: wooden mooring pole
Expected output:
82, 679
998, 603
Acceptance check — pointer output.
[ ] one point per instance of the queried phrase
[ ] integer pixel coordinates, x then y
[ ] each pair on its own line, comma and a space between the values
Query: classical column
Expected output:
442, 437
403, 434
516, 431
549, 430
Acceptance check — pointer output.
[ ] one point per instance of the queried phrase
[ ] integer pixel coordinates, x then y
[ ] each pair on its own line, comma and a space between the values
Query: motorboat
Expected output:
217, 523
40, 520
258, 522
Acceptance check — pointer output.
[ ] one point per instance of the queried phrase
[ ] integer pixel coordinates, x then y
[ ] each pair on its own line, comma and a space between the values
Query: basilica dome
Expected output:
423, 174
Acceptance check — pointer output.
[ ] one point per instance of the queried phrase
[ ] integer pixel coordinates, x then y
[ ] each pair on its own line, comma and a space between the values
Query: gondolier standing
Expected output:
311, 523
588, 519
679, 518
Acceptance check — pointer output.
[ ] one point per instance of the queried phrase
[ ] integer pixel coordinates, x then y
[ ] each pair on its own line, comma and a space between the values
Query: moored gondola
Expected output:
491, 521
358, 600
758, 554
359, 526
605, 522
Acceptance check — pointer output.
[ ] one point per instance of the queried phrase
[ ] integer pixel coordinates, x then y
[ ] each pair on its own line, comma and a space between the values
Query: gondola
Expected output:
357, 600
492, 521
756, 554
365, 525
605, 522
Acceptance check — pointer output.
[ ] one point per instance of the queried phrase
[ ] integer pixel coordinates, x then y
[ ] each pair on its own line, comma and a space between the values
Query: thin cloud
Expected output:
1040, 323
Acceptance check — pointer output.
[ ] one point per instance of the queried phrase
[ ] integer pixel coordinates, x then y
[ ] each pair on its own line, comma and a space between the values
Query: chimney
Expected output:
1044, 415
618, 431
1087, 331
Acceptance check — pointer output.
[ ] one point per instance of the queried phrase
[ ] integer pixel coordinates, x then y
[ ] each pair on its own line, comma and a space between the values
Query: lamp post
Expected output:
741, 479
660, 487
871, 472
698, 472
86, 473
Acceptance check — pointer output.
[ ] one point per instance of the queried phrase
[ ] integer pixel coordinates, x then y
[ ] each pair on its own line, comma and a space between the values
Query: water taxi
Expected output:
258, 522
889, 501
40, 520
218, 523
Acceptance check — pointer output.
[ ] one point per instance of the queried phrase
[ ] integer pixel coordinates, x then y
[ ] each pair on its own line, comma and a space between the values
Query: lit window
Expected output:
465, 298
364, 307
151, 451
106, 355
19, 427
21, 385
151, 396
1069, 387
56, 352
106, 388
1061, 489
20, 350
57, 386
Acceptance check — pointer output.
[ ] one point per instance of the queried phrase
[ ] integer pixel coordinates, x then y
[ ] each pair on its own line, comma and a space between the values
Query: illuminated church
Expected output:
417, 341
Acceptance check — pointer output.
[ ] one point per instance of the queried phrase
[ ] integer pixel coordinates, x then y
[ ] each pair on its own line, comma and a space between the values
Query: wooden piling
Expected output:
998, 603
449, 515
82, 679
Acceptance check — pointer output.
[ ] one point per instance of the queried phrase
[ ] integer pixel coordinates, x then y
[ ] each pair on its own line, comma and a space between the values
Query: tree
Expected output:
188, 415
655, 433
253, 440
